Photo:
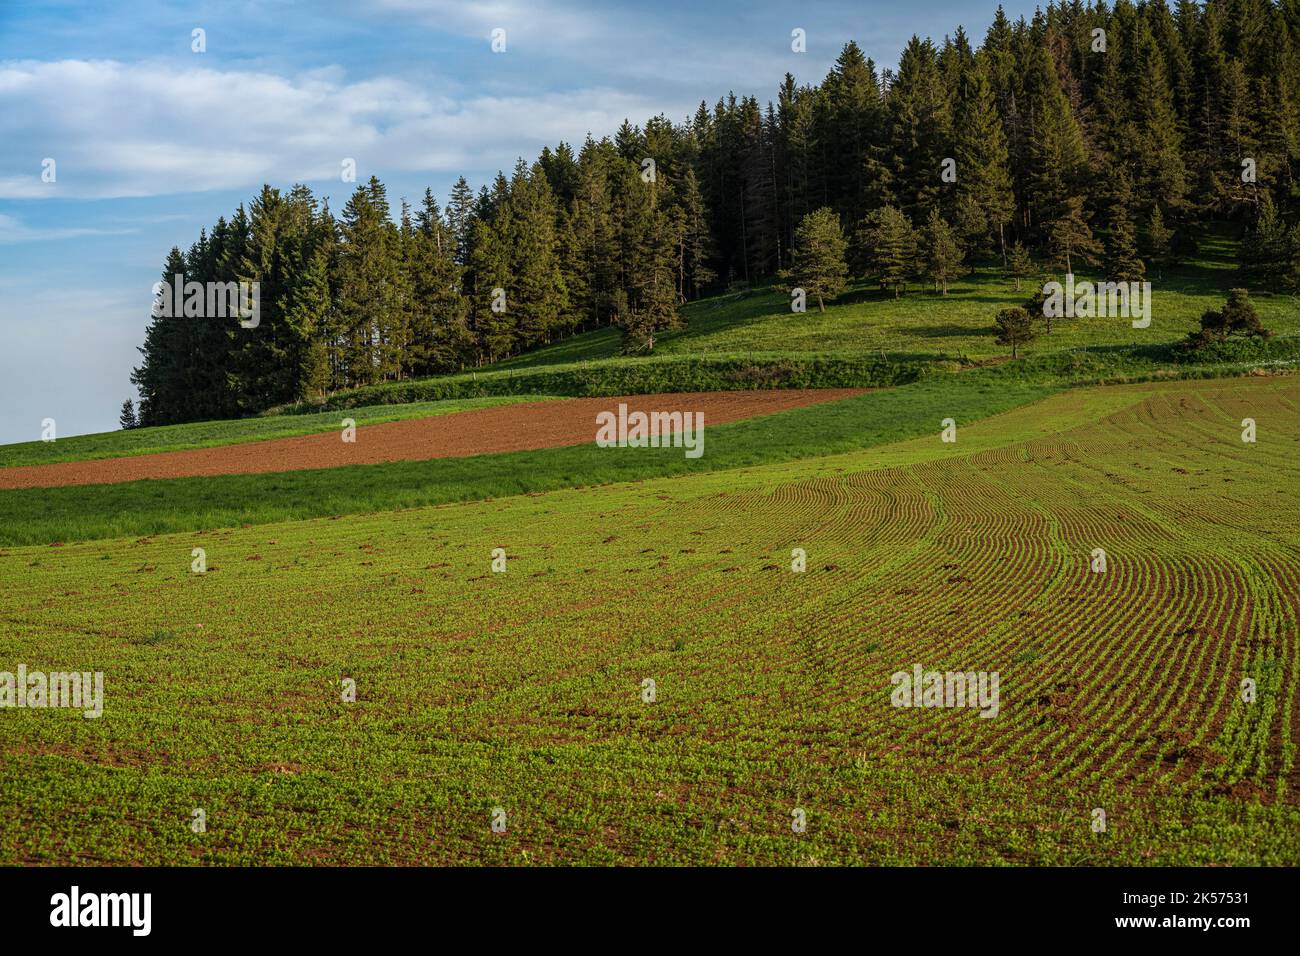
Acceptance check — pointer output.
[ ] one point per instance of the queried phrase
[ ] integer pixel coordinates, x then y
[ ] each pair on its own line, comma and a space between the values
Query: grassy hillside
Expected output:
524, 690
867, 338
923, 324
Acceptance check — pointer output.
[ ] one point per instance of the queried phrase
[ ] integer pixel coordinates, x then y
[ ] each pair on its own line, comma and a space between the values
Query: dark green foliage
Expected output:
943, 254
1015, 327
1020, 265
1070, 238
126, 419
1121, 256
1188, 116
888, 249
1236, 318
819, 247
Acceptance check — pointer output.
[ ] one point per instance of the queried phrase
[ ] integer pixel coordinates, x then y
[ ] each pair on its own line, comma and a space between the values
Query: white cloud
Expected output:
144, 129
13, 229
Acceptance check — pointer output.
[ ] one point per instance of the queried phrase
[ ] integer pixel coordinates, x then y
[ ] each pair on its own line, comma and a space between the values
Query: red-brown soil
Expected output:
523, 427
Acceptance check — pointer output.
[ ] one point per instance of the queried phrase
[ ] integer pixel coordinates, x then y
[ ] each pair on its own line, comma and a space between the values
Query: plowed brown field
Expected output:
532, 425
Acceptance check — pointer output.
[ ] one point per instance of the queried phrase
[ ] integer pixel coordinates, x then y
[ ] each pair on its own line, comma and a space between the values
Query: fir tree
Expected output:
1264, 253
985, 200
1159, 238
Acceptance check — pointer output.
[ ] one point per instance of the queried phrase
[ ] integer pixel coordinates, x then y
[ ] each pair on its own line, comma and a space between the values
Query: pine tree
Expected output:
697, 243
368, 283
593, 246
846, 132
819, 267
920, 128
651, 241
536, 279
440, 340
1014, 327
1237, 317
1161, 175
127, 417
460, 219
1057, 162
161, 377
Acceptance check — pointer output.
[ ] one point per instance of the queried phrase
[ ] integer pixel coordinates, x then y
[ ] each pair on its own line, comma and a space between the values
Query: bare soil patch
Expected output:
523, 427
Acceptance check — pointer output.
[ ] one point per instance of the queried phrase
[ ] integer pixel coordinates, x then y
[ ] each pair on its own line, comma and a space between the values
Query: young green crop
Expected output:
524, 690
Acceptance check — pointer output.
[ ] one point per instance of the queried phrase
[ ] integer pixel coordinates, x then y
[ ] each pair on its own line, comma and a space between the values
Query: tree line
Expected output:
1108, 135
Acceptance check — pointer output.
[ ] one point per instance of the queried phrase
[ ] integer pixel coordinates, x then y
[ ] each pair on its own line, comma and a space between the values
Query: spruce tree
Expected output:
460, 218
368, 281
126, 418
536, 279
1159, 239
944, 253
1264, 253
1020, 265
983, 179
888, 246
161, 377
1070, 238
819, 267
697, 243
1121, 257
1057, 161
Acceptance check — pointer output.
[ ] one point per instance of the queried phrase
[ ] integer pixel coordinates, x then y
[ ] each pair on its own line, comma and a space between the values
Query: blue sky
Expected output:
153, 141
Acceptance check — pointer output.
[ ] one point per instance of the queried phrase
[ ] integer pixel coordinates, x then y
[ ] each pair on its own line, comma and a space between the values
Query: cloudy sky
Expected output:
152, 141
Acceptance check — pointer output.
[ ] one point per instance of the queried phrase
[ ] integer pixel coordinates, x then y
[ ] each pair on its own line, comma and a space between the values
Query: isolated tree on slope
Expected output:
1238, 316
127, 418
819, 246
1015, 327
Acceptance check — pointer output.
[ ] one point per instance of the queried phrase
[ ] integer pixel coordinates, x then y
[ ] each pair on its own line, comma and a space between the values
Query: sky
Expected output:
152, 141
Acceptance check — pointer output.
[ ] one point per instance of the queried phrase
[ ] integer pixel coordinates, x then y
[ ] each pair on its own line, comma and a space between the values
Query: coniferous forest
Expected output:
1112, 136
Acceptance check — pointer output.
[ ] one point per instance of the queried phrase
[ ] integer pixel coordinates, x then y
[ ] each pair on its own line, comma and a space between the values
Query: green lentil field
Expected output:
508, 718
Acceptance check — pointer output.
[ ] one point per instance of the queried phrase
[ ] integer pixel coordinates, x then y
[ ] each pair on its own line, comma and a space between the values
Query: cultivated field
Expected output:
452, 434
524, 690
